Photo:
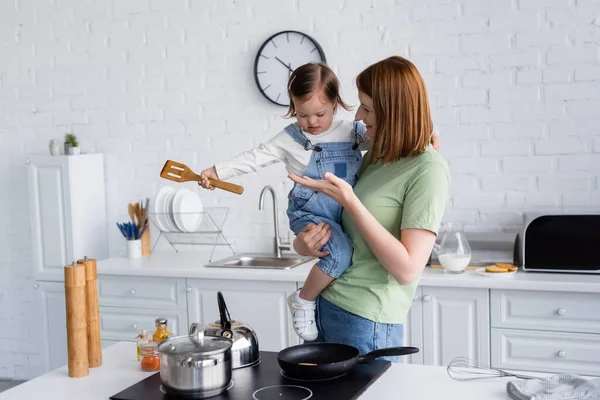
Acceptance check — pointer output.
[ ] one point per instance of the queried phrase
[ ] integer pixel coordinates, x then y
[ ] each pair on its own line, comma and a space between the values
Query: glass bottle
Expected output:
454, 252
162, 332
150, 358
141, 339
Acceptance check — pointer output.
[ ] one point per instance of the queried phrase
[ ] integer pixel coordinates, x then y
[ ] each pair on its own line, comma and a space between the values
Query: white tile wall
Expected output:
514, 84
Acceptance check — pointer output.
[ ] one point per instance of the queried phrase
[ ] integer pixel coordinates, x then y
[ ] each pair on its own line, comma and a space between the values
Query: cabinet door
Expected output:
51, 297
413, 330
260, 304
124, 324
455, 323
50, 217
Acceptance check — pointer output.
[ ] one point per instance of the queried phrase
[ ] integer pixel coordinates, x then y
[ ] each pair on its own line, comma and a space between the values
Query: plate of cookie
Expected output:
498, 270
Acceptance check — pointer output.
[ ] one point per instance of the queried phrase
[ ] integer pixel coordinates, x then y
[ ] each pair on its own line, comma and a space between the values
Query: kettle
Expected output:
244, 351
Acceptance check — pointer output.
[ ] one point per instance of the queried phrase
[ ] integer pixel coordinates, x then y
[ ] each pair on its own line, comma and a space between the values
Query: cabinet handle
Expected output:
188, 289
426, 298
27, 161
562, 354
561, 311
134, 326
132, 292
36, 285
416, 297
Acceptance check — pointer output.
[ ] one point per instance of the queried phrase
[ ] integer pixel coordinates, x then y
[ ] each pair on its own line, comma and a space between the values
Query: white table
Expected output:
120, 370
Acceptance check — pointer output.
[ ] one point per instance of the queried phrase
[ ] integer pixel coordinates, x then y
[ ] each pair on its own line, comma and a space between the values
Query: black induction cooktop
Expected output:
265, 381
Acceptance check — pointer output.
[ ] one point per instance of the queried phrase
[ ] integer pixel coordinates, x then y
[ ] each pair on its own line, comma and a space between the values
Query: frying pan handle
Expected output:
230, 187
390, 351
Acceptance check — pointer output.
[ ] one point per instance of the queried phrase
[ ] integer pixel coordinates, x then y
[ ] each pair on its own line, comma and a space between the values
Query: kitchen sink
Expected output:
260, 261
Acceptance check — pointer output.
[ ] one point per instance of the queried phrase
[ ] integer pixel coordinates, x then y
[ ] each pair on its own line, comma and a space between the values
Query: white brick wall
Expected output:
515, 88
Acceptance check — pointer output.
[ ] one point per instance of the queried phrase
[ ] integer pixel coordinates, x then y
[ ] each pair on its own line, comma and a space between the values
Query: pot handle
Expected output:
390, 351
191, 363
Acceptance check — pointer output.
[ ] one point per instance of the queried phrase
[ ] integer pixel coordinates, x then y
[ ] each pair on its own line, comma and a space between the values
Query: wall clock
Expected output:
277, 58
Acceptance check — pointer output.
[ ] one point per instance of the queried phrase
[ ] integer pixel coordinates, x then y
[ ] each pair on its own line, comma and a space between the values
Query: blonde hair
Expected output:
401, 107
307, 79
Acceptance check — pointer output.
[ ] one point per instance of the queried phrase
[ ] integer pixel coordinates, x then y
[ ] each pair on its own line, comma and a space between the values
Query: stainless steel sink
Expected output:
259, 261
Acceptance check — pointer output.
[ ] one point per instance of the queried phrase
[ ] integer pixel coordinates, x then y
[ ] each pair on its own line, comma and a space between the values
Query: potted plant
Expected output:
71, 144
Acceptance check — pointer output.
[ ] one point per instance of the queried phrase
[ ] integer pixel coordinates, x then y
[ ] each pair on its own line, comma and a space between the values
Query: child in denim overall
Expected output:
312, 146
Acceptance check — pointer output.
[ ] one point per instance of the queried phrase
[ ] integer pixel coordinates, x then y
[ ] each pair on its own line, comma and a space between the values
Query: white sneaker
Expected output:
303, 316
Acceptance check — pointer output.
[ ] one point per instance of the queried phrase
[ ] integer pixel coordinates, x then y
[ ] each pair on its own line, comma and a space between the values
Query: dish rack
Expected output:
208, 230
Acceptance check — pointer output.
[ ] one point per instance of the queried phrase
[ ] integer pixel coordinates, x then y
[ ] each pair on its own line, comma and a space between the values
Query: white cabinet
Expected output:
556, 352
125, 323
53, 335
455, 323
546, 331
413, 330
68, 211
261, 304
142, 292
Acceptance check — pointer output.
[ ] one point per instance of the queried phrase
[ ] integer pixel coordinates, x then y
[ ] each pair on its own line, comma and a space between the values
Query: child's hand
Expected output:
204, 175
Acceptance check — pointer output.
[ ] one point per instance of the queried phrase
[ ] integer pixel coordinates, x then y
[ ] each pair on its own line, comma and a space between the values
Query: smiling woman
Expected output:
392, 214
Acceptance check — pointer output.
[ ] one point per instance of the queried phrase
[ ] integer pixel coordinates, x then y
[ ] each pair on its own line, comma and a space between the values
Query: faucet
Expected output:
277, 245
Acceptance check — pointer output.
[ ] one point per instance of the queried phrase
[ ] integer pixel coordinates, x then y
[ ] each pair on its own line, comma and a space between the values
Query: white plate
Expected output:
168, 212
187, 210
159, 207
482, 271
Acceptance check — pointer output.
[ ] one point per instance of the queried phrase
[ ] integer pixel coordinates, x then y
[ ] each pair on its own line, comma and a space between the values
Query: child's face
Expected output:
314, 115
366, 114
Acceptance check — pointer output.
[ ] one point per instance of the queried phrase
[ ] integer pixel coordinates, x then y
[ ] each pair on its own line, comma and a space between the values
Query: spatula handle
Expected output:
230, 187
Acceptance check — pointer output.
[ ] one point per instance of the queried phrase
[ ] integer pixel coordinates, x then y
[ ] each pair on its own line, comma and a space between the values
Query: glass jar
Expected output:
141, 339
454, 252
162, 333
150, 358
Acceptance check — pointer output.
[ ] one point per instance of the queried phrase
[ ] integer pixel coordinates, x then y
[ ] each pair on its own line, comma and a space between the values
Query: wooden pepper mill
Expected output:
92, 312
75, 300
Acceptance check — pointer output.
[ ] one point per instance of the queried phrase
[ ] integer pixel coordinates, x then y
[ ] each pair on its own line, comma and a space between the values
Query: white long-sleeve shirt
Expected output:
283, 148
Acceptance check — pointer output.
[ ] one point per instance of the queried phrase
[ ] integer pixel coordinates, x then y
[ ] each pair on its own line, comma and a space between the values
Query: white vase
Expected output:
74, 151
134, 248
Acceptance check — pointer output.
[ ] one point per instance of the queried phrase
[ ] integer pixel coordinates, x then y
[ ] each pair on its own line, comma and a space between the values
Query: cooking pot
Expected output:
200, 365
244, 350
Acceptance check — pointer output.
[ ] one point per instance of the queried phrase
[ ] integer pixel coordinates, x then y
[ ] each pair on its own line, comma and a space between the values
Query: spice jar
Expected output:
150, 357
162, 333
141, 339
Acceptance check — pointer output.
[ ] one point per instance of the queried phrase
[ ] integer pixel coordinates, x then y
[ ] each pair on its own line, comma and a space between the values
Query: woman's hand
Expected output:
204, 175
311, 239
332, 186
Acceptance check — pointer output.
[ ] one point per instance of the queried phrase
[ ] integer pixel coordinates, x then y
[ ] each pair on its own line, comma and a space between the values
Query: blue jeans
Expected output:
337, 325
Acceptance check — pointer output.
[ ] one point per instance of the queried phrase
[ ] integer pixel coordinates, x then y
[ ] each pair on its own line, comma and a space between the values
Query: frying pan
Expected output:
329, 360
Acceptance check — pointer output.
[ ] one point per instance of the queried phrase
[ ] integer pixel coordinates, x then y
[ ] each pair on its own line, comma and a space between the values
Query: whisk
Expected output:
465, 369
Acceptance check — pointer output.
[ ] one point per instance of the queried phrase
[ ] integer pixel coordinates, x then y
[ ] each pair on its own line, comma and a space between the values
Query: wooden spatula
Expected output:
178, 172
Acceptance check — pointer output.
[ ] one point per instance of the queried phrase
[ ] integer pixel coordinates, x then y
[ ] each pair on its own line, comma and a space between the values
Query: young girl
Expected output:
314, 145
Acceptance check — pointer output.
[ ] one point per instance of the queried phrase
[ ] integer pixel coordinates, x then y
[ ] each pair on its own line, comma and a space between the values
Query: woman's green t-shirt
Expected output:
409, 193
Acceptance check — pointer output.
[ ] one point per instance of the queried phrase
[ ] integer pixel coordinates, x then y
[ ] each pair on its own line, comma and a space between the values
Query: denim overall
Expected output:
343, 159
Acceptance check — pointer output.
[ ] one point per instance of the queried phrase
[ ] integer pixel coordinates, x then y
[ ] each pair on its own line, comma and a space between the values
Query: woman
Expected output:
392, 215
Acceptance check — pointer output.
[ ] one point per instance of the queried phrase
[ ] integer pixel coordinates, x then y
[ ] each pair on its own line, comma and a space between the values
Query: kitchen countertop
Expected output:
120, 370
188, 264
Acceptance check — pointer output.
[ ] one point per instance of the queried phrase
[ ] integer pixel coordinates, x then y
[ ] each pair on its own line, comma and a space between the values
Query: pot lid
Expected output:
184, 345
